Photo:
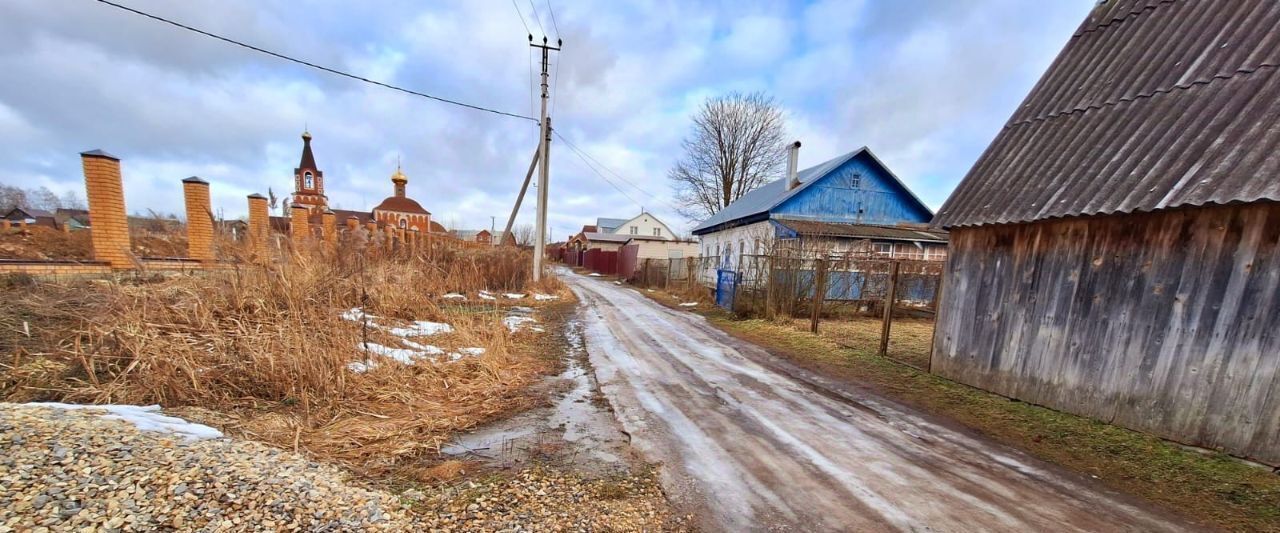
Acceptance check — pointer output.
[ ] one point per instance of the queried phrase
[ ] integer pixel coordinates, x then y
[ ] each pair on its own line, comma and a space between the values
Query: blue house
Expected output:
850, 205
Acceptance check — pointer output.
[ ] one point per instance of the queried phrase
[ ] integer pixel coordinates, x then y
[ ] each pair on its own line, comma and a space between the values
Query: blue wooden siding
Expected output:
857, 192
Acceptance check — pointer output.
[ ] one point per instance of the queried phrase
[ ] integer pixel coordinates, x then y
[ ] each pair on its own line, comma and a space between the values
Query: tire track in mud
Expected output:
745, 447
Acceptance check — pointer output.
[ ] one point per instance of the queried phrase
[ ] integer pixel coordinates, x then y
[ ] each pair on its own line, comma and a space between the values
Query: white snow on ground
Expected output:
514, 323
145, 418
356, 314
594, 274
544, 297
361, 367
485, 295
422, 328
402, 355
424, 348
454, 296
466, 352
513, 296
688, 304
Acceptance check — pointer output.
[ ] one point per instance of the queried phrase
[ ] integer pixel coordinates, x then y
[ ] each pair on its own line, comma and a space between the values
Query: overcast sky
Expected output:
925, 84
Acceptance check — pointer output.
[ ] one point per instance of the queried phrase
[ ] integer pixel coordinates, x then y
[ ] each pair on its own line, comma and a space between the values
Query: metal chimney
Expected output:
793, 154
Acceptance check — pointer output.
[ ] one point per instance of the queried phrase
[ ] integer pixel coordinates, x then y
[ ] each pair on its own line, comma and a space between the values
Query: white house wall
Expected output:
645, 225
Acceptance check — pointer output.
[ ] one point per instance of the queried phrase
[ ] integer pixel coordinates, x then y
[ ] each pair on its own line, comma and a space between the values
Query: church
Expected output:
397, 210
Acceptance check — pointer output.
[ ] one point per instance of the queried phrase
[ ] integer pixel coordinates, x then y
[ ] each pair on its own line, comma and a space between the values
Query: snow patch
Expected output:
466, 352
361, 367
486, 295
356, 314
402, 355
454, 296
544, 297
594, 274
422, 328
689, 304
145, 418
515, 323
513, 296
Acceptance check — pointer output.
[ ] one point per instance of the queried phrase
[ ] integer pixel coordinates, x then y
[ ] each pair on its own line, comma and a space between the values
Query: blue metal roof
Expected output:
611, 223
756, 204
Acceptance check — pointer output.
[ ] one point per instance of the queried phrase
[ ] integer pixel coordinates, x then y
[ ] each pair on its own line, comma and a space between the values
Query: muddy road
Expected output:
748, 443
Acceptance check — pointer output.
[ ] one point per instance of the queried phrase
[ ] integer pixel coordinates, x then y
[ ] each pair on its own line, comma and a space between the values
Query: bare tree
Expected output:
737, 144
524, 234
11, 197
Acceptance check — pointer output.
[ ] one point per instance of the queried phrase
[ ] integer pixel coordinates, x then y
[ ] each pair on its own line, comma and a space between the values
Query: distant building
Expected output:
32, 217
397, 210
849, 204
1115, 251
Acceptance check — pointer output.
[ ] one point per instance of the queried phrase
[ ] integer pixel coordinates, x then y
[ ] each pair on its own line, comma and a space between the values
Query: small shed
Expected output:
1115, 252
32, 217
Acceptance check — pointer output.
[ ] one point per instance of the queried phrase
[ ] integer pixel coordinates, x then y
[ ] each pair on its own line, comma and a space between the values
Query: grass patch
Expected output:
1211, 488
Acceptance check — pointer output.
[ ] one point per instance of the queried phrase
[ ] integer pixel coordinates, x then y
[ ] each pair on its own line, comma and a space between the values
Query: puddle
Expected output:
574, 429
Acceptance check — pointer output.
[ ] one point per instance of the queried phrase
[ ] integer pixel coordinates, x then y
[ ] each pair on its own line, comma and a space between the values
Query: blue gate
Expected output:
726, 285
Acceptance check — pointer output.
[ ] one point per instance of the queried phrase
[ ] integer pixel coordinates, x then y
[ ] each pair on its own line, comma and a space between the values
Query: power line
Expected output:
537, 18
313, 65
584, 154
597, 172
553, 19
521, 15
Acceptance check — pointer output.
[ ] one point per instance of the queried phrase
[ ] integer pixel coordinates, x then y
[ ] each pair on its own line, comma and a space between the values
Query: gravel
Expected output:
72, 470
545, 500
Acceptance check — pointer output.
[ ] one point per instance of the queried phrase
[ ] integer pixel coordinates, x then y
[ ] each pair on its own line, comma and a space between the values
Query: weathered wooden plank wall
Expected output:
1166, 322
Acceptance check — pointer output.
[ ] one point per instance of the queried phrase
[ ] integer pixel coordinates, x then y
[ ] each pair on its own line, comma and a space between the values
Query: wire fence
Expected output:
845, 298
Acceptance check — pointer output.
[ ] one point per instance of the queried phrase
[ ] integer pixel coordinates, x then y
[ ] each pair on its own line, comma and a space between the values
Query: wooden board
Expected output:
1165, 322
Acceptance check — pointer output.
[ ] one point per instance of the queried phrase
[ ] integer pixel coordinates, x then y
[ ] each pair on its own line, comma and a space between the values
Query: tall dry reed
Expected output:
264, 350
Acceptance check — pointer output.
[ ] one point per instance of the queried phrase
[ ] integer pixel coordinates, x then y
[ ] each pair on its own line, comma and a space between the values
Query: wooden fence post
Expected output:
819, 294
768, 291
889, 299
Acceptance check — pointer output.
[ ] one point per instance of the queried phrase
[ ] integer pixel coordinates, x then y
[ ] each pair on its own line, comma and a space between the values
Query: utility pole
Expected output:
540, 245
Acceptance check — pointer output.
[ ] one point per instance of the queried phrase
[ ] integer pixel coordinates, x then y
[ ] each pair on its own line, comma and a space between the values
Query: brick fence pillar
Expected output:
5, 225
298, 229
199, 219
413, 240
353, 224
329, 227
22, 224
105, 188
259, 224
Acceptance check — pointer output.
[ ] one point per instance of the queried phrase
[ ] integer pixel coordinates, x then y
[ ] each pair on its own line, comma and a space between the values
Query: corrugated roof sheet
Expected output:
862, 231
1152, 104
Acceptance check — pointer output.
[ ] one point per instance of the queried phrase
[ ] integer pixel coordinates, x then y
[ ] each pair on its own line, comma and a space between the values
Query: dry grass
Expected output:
910, 339
262, 351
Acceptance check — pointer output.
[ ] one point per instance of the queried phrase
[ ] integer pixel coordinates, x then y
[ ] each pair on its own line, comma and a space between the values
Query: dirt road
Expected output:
747, 443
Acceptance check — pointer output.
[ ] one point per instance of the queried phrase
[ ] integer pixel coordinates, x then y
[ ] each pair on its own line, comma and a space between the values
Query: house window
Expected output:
855, 181
635, 230
882, 249
404, 223
657, 232
308, 182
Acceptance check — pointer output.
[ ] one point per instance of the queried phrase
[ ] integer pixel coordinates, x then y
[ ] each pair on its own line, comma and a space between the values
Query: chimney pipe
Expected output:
793, 154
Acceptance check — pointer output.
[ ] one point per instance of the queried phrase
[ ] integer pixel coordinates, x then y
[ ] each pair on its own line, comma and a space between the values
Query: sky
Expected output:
925, 84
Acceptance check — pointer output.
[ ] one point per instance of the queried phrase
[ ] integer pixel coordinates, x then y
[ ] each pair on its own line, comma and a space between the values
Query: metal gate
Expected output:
726, 286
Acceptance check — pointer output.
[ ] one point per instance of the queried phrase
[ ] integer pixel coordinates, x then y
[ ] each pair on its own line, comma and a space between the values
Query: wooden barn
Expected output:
1115, 252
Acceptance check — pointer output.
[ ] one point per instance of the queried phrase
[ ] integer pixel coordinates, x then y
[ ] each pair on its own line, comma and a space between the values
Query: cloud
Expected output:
925, 83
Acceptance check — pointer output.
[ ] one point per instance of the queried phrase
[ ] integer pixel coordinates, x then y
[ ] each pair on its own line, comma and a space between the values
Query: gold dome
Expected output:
399, 176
